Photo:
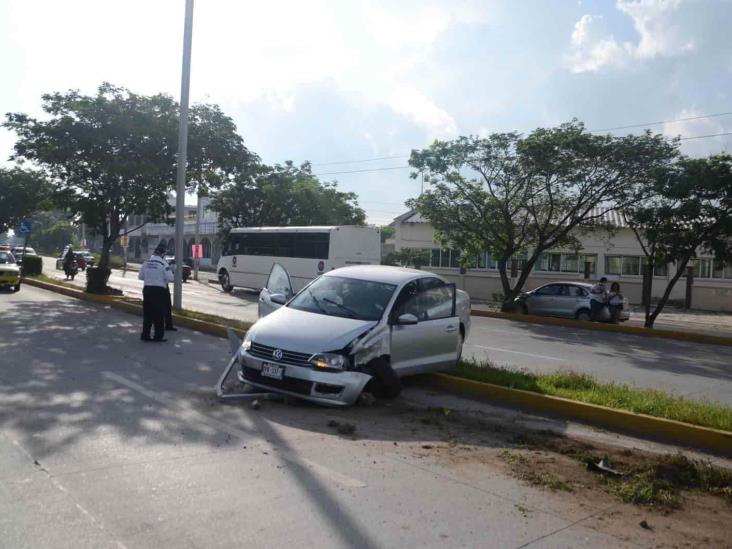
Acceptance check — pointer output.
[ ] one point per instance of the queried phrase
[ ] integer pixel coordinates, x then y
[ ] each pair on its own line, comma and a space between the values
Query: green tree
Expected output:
688, 213
521, 196
22, 193
113, 154
261, 195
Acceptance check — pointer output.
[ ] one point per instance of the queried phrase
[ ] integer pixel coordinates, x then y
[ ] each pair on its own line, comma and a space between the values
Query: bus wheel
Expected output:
225, 281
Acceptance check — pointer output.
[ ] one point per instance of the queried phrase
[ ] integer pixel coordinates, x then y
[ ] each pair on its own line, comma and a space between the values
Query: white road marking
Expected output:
194, 415
517, 352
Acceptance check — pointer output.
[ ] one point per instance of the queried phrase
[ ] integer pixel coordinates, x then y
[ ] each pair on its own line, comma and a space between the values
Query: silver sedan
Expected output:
353, 328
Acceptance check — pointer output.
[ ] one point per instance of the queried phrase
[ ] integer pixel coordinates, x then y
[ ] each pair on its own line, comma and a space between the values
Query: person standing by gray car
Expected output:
598, 299
157, 274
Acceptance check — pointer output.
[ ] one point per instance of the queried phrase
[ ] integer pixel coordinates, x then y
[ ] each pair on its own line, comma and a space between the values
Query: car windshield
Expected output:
6, 257
344, 297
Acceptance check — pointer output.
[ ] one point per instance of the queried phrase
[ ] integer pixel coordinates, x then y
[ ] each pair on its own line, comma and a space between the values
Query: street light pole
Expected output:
180, 186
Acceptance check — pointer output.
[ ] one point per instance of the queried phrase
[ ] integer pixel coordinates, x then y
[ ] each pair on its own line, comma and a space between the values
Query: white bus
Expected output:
305, 253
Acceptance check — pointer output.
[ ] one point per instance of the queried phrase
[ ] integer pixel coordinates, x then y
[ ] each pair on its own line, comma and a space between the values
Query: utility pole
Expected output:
197, 238
180, 184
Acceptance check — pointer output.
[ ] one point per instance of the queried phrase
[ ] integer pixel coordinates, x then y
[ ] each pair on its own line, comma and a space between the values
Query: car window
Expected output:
406, 303
436, 299
6, 257
344, 297
550, 289
279, 282
578, 291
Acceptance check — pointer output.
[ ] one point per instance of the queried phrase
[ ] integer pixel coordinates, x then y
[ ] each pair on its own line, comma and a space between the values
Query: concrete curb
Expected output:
675, 432
132, 306
618, 328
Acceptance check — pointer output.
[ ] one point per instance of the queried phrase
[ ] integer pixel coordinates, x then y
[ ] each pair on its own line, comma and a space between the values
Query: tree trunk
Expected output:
648, 293
106, 251
664, 298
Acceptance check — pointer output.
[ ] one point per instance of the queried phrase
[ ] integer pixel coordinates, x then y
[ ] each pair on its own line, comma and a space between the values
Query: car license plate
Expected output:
272, 370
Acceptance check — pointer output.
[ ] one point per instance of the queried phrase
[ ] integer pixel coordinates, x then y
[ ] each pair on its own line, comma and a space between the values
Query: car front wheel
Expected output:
16, 288
384, 383
225, 282
583, 314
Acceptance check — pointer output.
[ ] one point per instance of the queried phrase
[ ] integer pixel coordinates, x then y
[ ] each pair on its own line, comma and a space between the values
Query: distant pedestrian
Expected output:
615, 302
598, 299
68, 263
156, 273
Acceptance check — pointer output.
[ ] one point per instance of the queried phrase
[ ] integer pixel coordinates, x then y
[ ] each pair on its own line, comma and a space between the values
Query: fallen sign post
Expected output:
235, 344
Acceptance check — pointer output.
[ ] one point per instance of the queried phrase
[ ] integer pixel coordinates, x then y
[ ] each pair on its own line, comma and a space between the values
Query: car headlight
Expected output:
247, 343
331, 361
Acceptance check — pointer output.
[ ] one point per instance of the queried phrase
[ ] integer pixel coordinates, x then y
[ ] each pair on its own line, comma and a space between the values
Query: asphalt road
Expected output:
106, 441
697, 370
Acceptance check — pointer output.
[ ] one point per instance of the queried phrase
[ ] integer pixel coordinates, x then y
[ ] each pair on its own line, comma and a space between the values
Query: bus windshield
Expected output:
344, 297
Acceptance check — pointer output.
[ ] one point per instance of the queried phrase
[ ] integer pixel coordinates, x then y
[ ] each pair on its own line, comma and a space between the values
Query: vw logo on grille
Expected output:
277, 354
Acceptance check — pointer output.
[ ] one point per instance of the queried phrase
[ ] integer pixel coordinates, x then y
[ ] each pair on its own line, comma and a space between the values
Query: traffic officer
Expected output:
156, 273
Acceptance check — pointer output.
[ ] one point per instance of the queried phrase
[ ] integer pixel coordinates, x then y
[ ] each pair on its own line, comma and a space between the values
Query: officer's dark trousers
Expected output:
154, 299
168, 309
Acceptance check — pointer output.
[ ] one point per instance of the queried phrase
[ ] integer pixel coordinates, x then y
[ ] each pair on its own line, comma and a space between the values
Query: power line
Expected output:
646, 124
365, 170
715, 115
359, 161
704, 136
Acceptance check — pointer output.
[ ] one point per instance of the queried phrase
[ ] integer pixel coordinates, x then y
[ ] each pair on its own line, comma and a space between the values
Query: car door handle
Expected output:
451, 329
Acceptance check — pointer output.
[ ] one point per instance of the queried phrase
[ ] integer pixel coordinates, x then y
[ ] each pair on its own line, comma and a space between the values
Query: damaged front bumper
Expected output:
324, 387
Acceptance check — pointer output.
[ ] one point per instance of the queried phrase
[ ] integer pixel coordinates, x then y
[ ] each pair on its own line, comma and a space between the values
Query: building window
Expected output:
660, 270
566, 263
206, 248
631, 265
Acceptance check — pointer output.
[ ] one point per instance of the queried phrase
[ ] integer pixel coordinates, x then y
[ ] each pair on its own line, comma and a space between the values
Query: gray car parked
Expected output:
566, 299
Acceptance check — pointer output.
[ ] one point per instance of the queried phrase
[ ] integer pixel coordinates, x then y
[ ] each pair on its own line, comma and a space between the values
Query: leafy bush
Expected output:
32, 265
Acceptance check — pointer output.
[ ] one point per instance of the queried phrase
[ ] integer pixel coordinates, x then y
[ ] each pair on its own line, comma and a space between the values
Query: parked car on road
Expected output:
352, 328
565, 299
187, 269
9, 271
20, 251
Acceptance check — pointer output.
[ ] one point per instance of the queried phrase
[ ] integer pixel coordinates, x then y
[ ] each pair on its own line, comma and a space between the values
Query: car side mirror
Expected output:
280, 299
407, 320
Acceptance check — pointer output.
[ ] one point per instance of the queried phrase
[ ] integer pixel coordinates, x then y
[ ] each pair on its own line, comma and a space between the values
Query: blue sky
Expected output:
340, 80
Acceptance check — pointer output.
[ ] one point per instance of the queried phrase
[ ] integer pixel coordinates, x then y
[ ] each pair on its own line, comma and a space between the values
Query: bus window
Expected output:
312, 245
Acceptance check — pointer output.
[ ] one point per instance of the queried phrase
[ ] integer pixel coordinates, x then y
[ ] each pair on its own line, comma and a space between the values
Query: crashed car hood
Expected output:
304, 332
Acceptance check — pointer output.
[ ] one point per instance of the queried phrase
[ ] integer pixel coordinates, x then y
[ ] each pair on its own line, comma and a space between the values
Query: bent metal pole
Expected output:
180, 185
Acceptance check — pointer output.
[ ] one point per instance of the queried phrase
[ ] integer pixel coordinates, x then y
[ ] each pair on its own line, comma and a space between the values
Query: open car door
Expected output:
278, 286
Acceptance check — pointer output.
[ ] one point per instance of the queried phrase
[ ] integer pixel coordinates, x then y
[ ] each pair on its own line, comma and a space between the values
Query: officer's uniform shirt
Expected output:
156, 272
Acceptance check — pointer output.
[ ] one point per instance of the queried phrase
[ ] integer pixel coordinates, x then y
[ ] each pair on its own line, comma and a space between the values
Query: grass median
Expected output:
586, 388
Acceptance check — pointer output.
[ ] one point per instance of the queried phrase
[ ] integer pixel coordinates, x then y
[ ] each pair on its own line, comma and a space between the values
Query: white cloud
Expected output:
660, 33
415, 105
698, 127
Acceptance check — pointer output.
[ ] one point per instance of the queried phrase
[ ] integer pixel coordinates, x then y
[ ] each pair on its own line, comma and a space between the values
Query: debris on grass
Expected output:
527, 471
603, 466
644, 524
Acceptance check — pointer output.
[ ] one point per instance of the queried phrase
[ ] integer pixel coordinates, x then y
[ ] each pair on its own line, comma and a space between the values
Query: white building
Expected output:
143, 241
617, 256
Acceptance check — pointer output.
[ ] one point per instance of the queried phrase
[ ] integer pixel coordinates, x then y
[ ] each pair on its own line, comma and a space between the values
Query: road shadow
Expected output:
73, 374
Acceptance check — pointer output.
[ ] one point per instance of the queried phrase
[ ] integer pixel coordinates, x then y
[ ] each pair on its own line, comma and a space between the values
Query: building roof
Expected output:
612, 217
305, 229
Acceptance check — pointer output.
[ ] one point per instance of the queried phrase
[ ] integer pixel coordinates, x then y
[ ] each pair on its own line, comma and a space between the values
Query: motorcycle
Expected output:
71, 269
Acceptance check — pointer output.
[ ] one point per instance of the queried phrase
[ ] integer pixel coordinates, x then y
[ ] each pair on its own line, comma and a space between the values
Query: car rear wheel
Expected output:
16, 288
583, 314
225, 281
385, 383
